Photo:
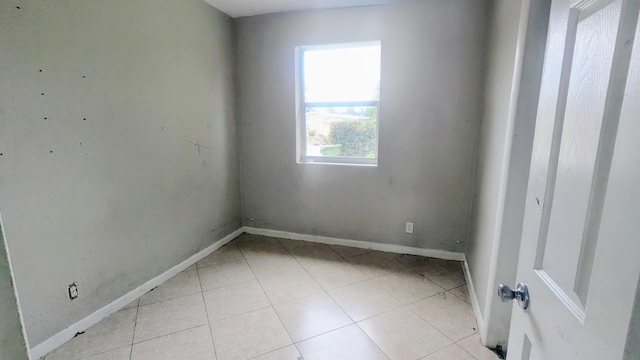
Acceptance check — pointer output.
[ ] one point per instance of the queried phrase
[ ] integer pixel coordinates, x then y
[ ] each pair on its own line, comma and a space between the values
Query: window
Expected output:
338, 96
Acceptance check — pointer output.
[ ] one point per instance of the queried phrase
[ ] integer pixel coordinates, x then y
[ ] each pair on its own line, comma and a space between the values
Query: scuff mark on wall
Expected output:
198, 145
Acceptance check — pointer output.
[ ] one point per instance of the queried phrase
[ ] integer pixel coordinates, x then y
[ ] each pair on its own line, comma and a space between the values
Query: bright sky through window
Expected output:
342, 74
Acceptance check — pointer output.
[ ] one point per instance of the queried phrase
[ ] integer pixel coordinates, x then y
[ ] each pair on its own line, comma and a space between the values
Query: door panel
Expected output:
570, 243
582, 212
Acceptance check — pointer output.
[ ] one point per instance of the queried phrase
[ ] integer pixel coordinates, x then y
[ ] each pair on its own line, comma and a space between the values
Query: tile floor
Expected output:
266, 298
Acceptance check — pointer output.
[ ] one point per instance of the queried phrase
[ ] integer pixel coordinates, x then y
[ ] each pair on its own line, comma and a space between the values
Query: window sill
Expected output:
329, 162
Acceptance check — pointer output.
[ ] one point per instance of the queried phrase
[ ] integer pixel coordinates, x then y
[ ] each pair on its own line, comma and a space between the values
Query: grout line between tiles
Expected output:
324, 333
303, 267
256, 278
465, 350
244, 313
231, 283
171, 298
458, 296
300, 356
270, 302
135, 324
374, 343
270, 351
284, 327
198, 267
99, 353
432, 325
169, 334
213, 343
274, 350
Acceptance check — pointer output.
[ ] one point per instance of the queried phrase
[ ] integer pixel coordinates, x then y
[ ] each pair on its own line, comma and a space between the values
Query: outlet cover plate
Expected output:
73, 290
409, 228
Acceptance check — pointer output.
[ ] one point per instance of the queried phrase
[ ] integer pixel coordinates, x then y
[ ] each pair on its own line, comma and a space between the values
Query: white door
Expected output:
580, 252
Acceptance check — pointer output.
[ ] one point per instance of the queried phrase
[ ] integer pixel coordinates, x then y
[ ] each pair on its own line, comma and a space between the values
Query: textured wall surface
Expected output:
432, 66
118, 146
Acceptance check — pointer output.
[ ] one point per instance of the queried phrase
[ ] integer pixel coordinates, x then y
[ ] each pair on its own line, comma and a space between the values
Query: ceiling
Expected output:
238, 8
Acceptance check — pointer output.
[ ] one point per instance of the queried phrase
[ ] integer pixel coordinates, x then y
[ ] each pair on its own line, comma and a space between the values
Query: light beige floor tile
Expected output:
271, 249
310, 316
376, 263
407, 286
288, 286
449, 265
403, 335
117, 354
131, 305
232, 300
314, 254
166, 317
347, 251
228, 252
364, 299
348, 343
286, 353
182, 284
331, 275
190, 268
114, 332
170, 323
248, 335
439, 270
432, 267
259, 245
228, 273
412, 260
191, 344
449, 314
473, 346
449, 280
291, 244
451, 352
462, 292
273, 263
247, 238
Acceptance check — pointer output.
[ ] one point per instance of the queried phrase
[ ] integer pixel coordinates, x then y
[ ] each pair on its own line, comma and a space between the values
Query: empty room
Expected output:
319, 179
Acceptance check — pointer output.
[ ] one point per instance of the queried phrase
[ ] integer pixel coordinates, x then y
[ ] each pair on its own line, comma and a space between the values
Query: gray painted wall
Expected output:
517, 39
118, 198
12, 343
493, 150
432, 66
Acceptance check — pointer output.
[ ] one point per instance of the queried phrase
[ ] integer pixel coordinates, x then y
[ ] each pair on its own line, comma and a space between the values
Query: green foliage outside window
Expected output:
356, 137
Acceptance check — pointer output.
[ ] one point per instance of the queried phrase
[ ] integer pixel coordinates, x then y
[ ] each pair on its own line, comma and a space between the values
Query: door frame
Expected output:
534, 16
529, 49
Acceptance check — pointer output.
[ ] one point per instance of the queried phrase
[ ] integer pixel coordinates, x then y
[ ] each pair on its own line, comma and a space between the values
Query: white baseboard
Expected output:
65, 335
398, 249
474, 303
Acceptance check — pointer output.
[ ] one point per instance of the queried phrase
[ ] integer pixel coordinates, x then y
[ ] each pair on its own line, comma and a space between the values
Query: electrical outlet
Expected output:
409, 228
73, 290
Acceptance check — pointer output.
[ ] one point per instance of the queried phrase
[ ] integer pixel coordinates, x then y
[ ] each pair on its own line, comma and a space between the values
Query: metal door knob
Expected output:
521, 293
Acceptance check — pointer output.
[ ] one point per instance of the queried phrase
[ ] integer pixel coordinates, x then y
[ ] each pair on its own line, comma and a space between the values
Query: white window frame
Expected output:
301, 106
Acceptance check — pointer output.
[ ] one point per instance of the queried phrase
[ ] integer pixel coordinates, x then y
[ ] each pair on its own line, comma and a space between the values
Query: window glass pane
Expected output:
342, 74
348, 131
